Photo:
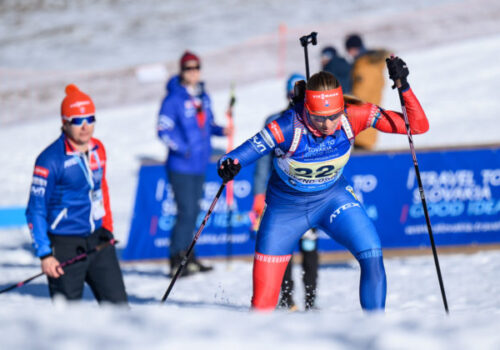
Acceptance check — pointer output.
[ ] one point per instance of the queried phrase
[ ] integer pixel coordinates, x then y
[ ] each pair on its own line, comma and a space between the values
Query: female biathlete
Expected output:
312, 142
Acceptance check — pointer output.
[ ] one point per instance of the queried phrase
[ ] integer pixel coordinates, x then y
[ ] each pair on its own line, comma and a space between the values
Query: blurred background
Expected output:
122, 52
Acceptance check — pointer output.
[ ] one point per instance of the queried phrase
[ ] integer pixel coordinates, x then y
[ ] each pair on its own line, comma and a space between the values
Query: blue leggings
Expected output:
338, 213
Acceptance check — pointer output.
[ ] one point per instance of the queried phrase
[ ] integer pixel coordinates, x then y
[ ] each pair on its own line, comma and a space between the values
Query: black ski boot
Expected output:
286, 298
175, 263
310, 298
194, 265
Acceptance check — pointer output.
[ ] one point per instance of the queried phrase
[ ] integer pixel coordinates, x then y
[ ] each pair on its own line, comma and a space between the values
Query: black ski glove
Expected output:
105, 235
229, 169
398, 71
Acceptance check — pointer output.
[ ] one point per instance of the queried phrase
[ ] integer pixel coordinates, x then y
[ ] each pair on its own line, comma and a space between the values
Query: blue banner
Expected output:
462, 191
226, 232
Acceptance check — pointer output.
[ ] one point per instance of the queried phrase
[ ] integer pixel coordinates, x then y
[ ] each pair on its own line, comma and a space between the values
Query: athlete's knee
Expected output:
372, 263
369, 253
268, 271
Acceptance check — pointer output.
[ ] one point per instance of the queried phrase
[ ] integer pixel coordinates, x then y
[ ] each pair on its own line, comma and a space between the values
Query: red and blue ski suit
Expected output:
69, 193
307, 190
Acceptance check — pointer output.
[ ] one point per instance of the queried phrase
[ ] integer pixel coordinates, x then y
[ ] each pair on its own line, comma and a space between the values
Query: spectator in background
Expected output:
69, 211
185, 125
338, 66
308, 243
367, 81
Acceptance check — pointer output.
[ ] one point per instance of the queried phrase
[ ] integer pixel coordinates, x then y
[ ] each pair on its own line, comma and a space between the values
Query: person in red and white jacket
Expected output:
69, 211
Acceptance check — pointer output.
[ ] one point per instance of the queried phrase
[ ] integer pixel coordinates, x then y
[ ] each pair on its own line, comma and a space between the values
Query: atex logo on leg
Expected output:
341, 209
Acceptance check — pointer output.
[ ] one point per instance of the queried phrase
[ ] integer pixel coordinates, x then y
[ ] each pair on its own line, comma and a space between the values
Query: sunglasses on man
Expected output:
78, 121
188, 68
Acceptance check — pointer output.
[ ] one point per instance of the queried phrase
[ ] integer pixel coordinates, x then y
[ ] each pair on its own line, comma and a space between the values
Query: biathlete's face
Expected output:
326, 124
191, 73
79, 129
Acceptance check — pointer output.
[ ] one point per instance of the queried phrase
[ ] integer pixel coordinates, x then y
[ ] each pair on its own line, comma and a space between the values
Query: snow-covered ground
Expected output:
455, 80
210, 311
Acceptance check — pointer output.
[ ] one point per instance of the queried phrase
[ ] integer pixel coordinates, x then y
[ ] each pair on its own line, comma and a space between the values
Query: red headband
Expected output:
326, 102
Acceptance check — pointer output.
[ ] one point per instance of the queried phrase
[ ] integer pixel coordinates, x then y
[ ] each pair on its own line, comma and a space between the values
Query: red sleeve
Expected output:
107, 220
369, 115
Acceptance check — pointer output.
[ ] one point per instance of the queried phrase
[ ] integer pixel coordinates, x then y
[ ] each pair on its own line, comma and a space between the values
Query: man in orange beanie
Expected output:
69, 212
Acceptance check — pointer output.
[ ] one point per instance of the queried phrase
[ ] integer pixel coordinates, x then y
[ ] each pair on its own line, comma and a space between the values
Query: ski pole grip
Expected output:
311, 38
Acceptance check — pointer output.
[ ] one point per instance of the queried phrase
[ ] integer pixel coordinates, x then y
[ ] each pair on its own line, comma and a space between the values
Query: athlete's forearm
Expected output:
250, 150
393, 122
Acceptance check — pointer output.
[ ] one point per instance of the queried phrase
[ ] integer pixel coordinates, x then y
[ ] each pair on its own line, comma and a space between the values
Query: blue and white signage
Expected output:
462, 191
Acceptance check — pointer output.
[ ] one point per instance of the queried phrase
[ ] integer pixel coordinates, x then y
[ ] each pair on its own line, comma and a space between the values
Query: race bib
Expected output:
314, 172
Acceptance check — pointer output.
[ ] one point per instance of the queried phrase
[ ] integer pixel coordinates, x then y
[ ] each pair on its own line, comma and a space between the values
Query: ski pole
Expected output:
304, 41
229, 187
62, 265
422, 194
191, 246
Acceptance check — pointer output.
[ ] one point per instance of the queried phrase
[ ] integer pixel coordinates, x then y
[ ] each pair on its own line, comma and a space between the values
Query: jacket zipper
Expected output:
62, 214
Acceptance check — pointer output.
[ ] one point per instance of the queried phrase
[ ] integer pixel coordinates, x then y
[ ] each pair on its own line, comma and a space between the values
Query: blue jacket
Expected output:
65, 184
341, 69
264, 164
188, 143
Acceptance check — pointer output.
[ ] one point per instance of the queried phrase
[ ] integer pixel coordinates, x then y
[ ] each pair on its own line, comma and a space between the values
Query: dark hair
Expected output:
353, 41
323, 81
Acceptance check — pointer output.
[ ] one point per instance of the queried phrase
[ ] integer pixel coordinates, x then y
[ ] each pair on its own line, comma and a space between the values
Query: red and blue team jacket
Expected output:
65, 183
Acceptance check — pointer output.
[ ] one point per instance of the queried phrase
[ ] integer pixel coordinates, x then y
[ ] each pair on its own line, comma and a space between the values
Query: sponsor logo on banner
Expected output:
41, 171
364, 184
451, 193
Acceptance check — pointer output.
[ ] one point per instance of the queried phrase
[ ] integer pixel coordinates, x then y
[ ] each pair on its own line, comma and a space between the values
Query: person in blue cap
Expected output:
308, 243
